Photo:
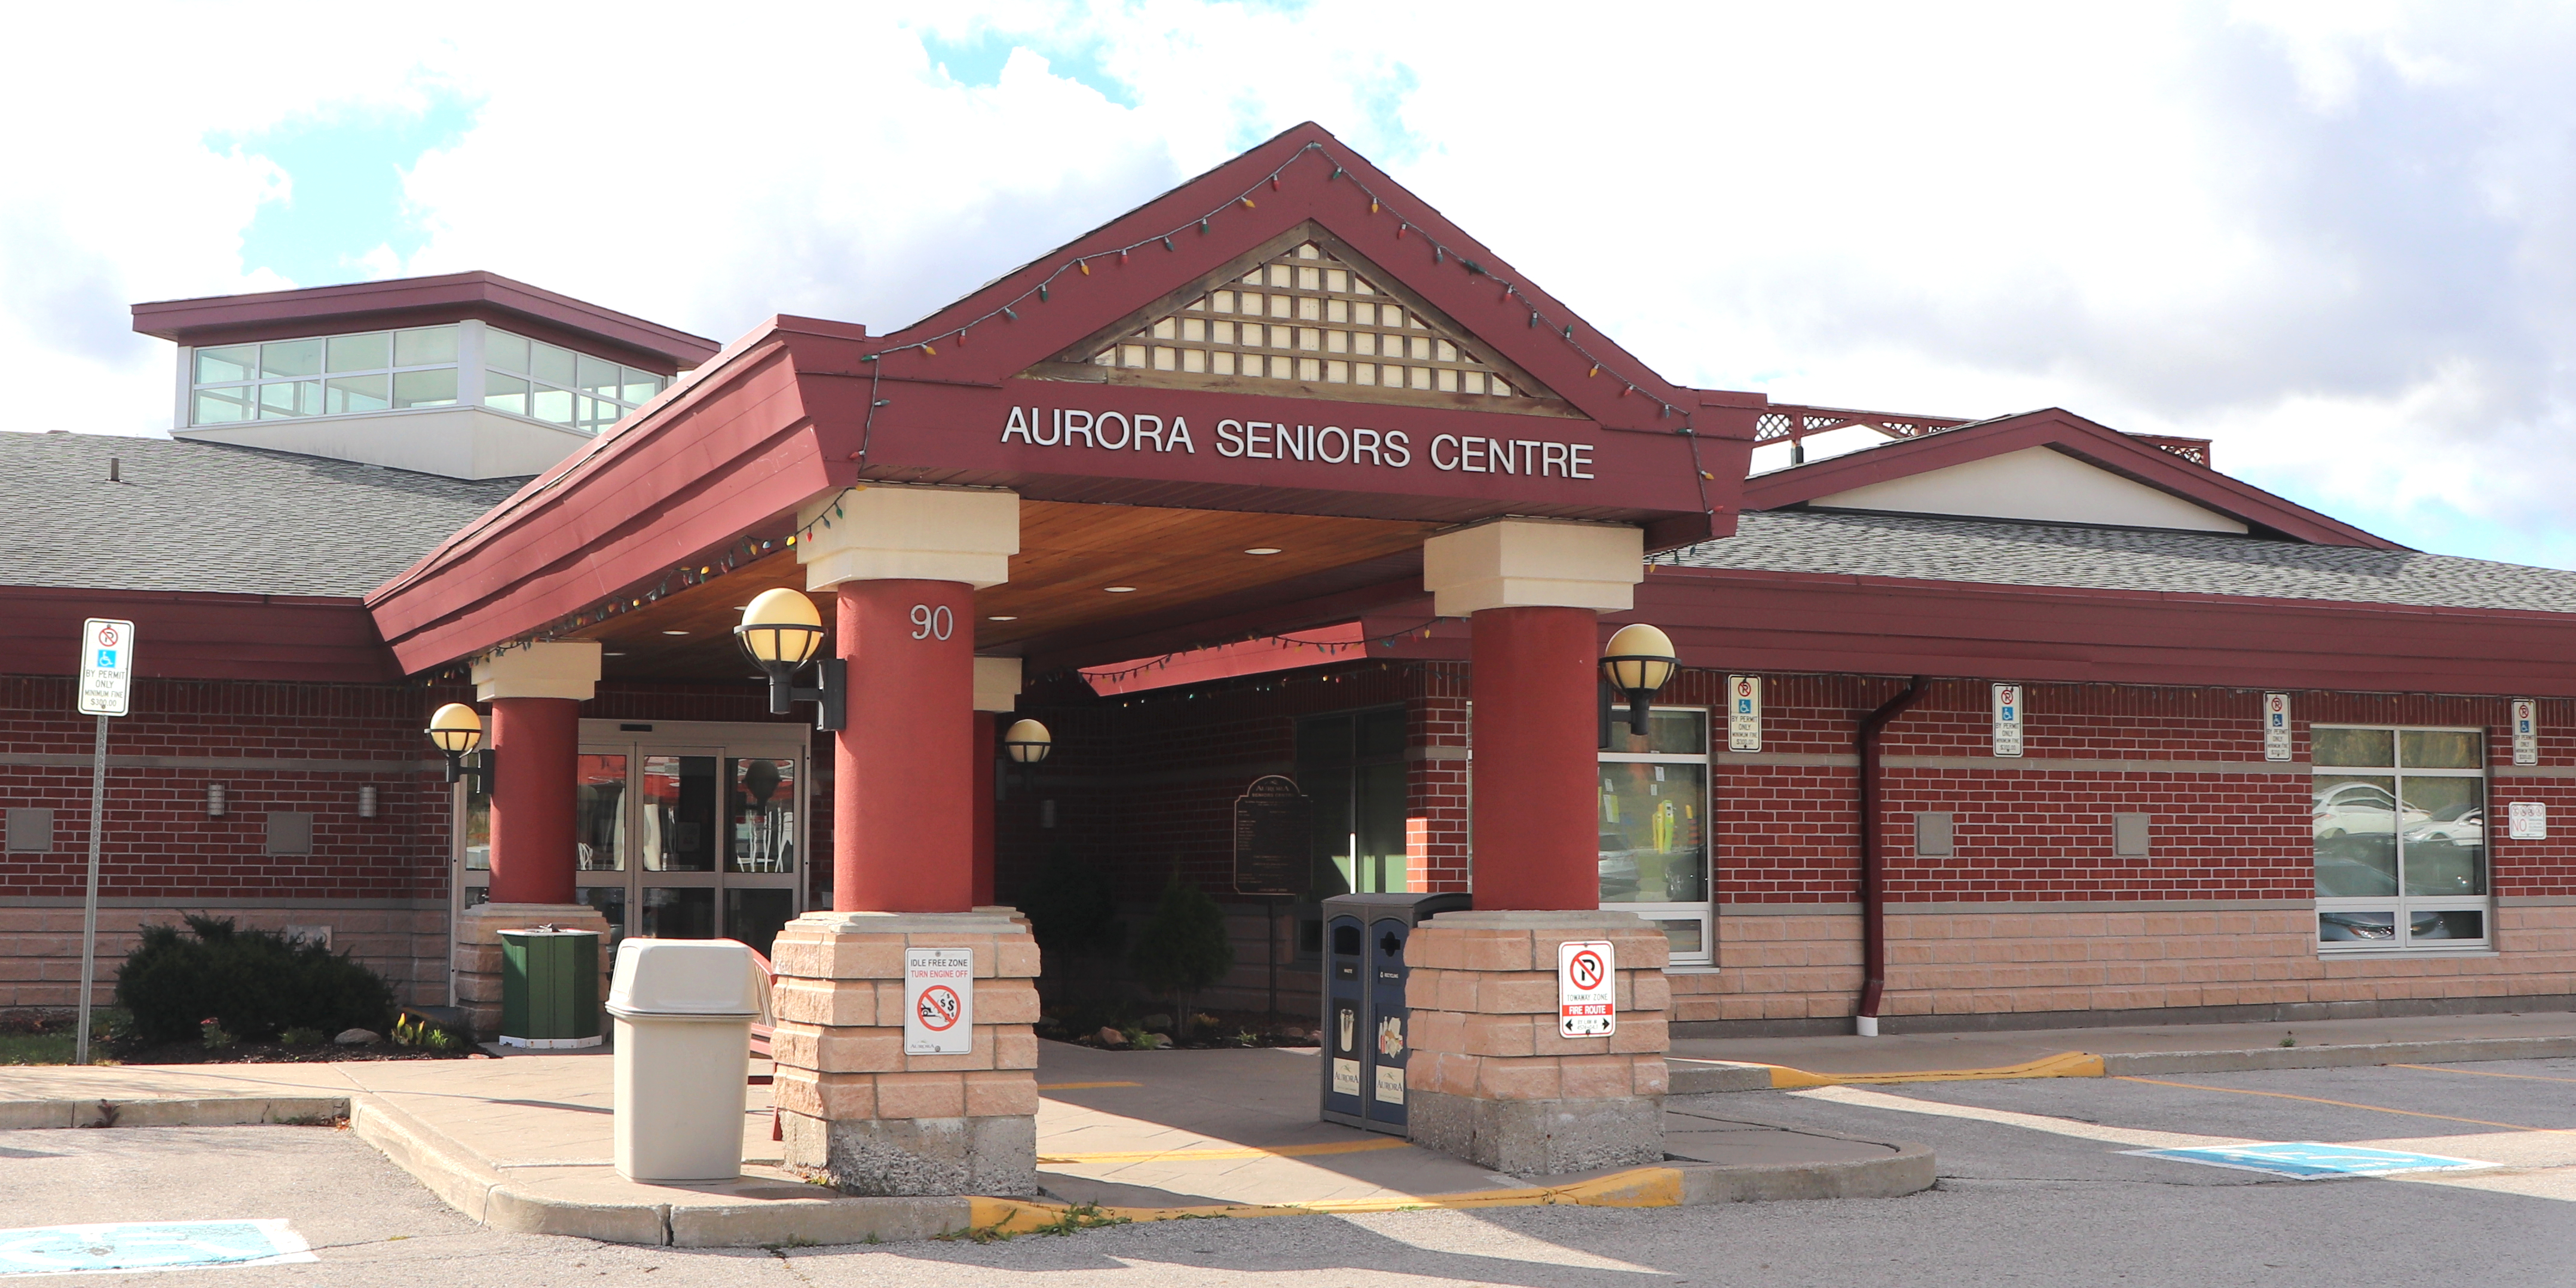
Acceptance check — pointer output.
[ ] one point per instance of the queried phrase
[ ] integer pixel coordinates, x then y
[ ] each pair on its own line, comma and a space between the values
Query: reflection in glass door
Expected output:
692, 831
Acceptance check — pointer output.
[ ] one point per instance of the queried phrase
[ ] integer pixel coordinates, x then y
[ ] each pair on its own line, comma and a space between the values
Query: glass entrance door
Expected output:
691, 830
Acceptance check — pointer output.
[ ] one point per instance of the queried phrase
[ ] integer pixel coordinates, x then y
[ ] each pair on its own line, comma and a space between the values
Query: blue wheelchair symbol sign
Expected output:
2312, 1161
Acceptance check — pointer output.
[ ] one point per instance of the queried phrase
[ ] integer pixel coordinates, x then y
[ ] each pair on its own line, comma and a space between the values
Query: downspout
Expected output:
1873, 855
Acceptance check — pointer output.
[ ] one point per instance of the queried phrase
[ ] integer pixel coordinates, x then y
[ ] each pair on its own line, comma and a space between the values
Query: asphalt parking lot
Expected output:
2037, 1189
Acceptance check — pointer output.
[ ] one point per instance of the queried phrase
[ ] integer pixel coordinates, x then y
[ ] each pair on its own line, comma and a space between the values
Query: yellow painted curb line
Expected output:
1639, 1187
1234, 1155
2065, 1064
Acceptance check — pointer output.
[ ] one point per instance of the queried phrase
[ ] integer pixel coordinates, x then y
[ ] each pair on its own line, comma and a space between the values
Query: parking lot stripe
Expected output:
2343, 1104
2482, 1073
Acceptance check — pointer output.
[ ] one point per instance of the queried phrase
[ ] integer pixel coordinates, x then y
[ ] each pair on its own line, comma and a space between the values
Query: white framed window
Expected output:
327, 375
1654, 820
554, 385
2398, 818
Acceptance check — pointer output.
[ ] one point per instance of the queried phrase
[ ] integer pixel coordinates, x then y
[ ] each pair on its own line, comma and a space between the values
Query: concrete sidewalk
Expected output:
1752, 1064
524, 1143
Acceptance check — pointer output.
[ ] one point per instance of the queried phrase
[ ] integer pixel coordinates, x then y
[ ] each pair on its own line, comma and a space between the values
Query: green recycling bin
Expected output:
549, 988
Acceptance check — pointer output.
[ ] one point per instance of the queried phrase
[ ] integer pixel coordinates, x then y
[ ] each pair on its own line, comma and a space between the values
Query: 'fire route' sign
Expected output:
938, 1001
1587, 980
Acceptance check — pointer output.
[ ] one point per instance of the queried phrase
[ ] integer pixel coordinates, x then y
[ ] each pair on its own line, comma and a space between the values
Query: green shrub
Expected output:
250, 983
1183, 947
302, 1037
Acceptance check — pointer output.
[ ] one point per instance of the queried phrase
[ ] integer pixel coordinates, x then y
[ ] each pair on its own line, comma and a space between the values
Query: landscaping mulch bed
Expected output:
44, 1036
1231, 1030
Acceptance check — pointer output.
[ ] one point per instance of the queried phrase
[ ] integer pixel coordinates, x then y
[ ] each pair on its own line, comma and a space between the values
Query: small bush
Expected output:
212, 1033
1183, 947
302, 1037
249, 983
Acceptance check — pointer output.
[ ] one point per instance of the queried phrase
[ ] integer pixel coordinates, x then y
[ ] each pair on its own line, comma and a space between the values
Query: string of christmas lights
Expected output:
1330, 647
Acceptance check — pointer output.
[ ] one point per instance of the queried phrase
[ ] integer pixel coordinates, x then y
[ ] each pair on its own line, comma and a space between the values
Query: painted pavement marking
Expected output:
129, 1246
2313, 1161
2341, 1104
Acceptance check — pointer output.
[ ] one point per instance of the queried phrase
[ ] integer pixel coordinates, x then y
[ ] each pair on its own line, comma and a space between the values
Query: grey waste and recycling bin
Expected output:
683, 1010
1366, 1027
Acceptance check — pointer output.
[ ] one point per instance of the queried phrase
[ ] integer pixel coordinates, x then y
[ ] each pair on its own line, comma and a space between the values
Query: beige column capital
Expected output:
555, 669
997, 683
925, 533
1534, 563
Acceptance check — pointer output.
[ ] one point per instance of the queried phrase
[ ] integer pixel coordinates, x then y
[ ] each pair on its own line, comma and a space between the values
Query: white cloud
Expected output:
2335, 236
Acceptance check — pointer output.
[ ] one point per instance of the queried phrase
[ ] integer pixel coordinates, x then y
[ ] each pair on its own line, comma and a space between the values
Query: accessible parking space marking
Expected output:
2314, 1161
129, 1246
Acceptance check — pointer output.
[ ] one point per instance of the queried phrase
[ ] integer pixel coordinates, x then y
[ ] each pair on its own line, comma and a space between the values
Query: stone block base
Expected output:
478, 954
1491, 1080
858, 1109
996, 1156
1540, 1137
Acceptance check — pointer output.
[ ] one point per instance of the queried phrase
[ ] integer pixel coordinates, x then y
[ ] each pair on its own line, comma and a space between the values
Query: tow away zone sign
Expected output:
1587, 980
938, 1001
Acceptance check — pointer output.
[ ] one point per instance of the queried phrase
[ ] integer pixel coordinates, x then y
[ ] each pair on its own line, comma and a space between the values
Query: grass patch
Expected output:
45, 1037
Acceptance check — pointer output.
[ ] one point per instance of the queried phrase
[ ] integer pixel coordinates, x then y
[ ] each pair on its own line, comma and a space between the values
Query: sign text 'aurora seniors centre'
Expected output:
1232, 438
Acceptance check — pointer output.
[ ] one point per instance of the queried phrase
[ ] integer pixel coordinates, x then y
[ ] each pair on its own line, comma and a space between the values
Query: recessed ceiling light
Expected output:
1262, 550
675, 632
1005, 618
612, 655
1118, 590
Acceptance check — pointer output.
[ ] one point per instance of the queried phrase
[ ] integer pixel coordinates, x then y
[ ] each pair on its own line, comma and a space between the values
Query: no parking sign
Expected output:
938, 1001
1587, 979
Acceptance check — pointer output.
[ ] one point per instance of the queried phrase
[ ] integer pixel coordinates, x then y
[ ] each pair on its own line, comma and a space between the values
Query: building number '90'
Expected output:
932, 623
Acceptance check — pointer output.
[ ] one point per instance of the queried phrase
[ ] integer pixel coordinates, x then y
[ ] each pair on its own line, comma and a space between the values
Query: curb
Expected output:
1910, 1170
1699, 1077
217, 1111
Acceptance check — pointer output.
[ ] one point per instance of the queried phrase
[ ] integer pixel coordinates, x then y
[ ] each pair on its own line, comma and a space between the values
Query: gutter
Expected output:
1873, 853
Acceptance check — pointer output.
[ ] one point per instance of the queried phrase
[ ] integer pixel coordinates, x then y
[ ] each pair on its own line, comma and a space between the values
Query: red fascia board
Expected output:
224, 318
1828, 623
664, 492
1081, 304
196, 636
2065, 432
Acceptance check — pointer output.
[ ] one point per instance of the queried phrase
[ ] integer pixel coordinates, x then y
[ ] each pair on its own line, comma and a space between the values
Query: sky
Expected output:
2338, 239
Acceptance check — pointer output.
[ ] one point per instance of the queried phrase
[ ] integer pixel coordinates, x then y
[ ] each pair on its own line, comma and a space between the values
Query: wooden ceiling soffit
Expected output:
1303, 315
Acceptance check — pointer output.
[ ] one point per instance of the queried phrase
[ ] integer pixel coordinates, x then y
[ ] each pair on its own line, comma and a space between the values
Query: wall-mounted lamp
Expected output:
781, 632
214, 800
1027, 743
1636, 666
456, 730
366, 802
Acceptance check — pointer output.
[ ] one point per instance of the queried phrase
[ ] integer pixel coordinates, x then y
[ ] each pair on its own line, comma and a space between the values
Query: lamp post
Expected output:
781, 631
456, 730
1637, 665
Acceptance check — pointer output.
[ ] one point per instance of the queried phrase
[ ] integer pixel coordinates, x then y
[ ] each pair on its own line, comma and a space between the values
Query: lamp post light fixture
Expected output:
1026, 743
456, 730
1636, 666
780, 633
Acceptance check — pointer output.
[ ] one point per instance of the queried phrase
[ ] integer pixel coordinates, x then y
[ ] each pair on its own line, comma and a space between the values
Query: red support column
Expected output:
1537, 846
537, 742
988, 736
903, 823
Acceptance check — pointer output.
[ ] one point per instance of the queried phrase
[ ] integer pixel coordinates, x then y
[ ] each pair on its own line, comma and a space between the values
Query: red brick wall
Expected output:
159, 841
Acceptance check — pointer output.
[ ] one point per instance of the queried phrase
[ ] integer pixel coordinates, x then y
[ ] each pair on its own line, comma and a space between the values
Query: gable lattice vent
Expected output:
1306, 316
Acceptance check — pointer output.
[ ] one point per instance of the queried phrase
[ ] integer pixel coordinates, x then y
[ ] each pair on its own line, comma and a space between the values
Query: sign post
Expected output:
938, 1001
106, 683
1587, 983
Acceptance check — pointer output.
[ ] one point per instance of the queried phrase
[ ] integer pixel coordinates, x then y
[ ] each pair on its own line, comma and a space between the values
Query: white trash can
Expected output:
683, 1010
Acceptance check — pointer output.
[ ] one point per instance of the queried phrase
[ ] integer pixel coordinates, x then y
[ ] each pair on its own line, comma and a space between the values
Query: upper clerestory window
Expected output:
324, 376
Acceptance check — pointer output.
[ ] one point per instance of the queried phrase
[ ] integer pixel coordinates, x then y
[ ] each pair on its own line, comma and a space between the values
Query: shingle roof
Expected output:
2032, 554
192, 516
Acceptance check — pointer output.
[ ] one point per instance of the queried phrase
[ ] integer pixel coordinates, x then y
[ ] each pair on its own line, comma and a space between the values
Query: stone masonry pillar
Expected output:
535, 692
854, 1106
1490, 1079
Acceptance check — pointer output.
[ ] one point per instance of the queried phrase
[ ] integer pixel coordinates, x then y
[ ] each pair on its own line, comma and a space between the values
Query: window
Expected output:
337, 375
1306, 316
1654, 829
2399, 821
1352, 767
545, 382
